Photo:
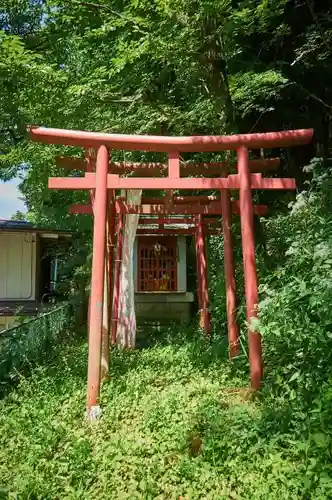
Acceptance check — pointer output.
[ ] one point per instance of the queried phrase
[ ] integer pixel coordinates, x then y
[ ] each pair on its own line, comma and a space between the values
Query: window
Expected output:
157, 264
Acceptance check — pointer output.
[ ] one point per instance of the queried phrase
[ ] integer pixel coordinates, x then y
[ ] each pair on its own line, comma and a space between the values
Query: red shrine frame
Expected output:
102, 178
157, 263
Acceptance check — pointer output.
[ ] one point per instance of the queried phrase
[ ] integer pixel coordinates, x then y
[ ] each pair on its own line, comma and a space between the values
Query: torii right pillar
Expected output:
249, 266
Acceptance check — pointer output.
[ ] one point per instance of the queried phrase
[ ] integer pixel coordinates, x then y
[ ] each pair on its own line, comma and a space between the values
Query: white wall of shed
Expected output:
17, 266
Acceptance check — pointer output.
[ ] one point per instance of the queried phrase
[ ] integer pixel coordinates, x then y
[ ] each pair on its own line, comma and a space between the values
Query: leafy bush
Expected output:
295, 314
296, 323
177, 421
31, 342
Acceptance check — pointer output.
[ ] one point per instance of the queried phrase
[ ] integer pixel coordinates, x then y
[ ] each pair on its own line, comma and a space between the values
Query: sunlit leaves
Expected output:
251, 91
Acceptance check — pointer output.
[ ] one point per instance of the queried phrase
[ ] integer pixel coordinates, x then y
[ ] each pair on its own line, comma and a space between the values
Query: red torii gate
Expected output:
199, 205
104, 209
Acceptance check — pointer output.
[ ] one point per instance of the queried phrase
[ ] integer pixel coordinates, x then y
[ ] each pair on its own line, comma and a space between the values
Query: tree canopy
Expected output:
181, 67
162, 67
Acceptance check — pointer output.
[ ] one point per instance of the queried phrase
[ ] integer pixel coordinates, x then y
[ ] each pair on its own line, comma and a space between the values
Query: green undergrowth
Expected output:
177, 423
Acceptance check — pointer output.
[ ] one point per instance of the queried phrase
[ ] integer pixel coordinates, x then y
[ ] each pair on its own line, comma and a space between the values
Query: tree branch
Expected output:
320, 29
105, 7
293, 82
313, 96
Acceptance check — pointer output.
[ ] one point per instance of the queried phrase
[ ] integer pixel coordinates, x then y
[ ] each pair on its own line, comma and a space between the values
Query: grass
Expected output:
176, 424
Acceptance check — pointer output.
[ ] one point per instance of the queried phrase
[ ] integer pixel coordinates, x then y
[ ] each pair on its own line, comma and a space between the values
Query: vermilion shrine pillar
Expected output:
117, 273
104, 359
230, 283
198, 280
97, 278
202, 276
111, 245
249, 265
108, 282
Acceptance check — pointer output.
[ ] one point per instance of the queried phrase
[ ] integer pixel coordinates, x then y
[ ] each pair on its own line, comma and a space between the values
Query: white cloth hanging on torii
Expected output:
126, 330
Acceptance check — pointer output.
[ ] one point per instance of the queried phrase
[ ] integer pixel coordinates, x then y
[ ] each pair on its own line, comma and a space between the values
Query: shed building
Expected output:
27, 268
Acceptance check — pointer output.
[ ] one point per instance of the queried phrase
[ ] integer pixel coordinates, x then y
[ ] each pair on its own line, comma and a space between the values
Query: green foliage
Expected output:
176, 423
296, 321
183, 67
251, 91
295, 313
161, 67
294, 264
32, 341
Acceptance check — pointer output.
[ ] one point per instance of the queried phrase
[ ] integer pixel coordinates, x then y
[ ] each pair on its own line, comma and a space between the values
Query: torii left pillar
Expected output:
97, 283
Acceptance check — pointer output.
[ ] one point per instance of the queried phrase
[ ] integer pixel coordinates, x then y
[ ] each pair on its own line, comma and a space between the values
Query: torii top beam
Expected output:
170, 144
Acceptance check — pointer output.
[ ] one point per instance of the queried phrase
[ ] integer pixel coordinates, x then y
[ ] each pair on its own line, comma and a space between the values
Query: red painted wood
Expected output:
111, 245
269, 183
208, 221
198, 277
90, 167
179, 200
174, 173
117, 273
161, 169
157, 271
259, 182
77, 208
166, 183
202, 276
170, 144
89, 309
71, 182
168, 231
71, 163
174, 165
97, 278
116, 182
221, 168
108, 282
249, 265
213, 208
230, 283
167, 199
165, 220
